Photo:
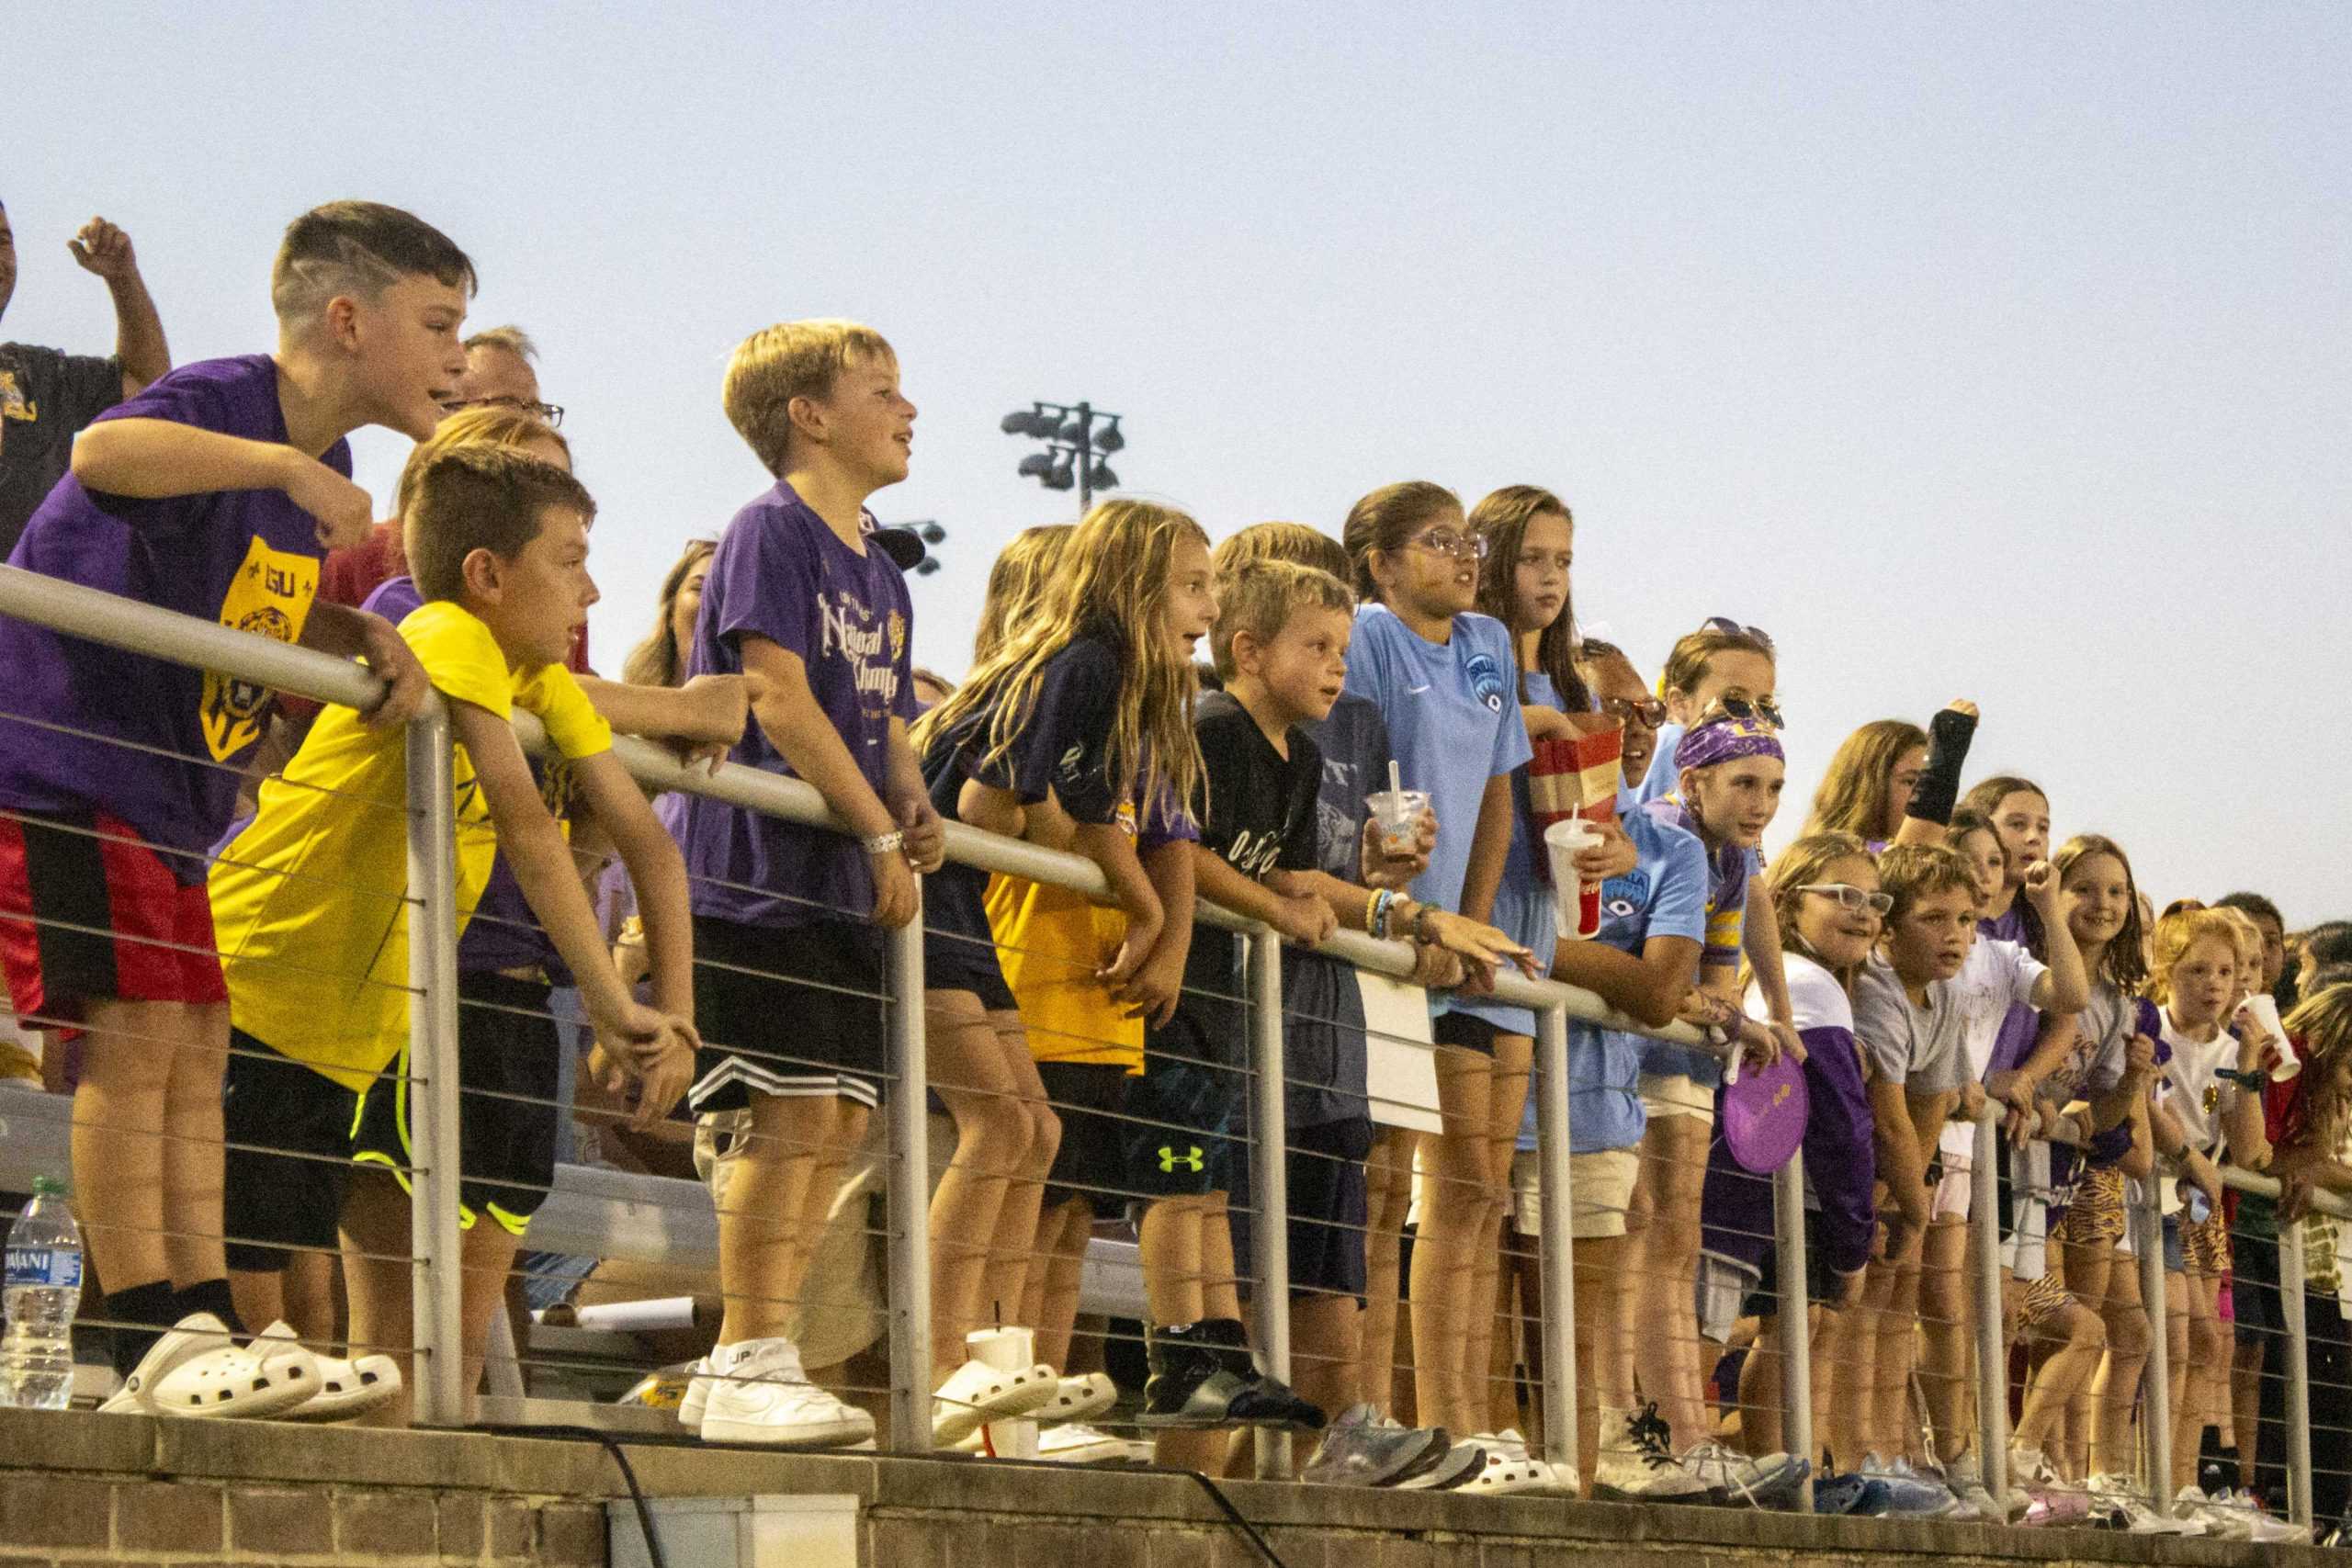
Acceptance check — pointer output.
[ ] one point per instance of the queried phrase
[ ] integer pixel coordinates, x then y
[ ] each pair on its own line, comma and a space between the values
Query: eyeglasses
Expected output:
1649, 713
1850, 897
1756, 710
1446, 542
1725, 624
551, 413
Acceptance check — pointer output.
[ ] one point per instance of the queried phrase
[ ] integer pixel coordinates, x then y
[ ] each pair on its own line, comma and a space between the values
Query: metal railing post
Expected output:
2155, 1387
910, 1189
1270, 1183
1555, 1245
1796, 1321
1985, 1297
2298, 1373
439, 1389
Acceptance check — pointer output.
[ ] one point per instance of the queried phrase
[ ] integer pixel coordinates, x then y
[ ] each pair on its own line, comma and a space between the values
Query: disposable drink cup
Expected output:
1576, 901
2264, 1011
1399, 812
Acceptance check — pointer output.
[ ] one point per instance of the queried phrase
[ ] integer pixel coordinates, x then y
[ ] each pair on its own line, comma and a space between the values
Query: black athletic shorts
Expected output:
787, 1010
288, 1163
508, 1058
1090, 1098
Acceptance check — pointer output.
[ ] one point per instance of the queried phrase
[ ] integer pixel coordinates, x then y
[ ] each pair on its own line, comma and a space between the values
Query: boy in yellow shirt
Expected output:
310, 902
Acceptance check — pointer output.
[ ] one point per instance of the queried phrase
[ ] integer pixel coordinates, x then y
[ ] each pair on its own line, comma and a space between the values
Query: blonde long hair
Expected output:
1017, 581
1853, 793
2322, 1023
1112, 584
2126, 964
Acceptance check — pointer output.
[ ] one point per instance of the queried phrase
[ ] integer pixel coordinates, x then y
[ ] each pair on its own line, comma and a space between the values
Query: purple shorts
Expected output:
1841, 1165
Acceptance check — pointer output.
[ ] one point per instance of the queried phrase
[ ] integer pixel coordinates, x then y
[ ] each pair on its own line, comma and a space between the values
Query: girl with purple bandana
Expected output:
1732, 772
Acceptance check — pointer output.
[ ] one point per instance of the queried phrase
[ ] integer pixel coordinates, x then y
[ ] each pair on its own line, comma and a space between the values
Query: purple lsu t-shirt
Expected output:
781, 573
164, 743
504, 933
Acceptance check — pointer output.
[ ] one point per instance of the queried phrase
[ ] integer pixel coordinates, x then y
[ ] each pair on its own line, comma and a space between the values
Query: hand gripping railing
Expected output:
439, 1395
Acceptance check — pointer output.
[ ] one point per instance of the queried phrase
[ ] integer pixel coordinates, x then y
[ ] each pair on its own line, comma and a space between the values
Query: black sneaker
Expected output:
1190, 1387
1263, 1401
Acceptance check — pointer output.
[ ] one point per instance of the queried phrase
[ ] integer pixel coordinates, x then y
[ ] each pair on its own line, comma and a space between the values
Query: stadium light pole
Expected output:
1079, 437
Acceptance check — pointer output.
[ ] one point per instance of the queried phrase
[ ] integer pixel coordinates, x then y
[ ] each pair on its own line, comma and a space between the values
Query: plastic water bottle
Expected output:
44, 1288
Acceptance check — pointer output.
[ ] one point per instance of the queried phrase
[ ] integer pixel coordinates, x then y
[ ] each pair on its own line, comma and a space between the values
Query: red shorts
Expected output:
89, 912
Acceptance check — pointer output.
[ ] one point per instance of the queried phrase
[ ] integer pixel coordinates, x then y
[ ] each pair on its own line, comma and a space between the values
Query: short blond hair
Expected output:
510, 338
1262, 596
789, 360
488, 426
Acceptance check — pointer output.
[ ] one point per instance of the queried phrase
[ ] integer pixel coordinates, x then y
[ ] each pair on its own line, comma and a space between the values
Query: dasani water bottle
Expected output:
43, 1288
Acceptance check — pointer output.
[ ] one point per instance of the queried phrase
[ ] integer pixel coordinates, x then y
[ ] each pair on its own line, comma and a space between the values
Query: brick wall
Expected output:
69, 1521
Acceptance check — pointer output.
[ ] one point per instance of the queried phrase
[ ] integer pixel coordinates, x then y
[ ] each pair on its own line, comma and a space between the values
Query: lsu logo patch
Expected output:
270, 596
1487, 681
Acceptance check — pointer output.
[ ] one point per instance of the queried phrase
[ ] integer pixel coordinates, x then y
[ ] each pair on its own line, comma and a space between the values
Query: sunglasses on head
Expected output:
1730, 627
1755, 710
1850, 897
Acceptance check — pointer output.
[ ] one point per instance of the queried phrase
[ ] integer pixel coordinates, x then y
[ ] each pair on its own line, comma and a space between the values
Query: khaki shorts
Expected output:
844, 1306
1602, 1183
1672, 1094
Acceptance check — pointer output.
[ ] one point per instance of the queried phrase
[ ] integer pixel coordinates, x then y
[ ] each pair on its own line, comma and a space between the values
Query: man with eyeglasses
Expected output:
500, 374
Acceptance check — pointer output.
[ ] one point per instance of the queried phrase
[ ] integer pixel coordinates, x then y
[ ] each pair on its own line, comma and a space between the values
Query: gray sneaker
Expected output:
1359, 1449
1908, 1491
1462, 1463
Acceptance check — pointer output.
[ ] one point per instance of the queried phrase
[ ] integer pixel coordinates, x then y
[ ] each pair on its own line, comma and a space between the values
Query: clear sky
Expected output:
1982, 350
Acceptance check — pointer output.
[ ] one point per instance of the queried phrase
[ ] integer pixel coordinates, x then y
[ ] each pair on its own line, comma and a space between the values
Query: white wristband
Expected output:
883, 843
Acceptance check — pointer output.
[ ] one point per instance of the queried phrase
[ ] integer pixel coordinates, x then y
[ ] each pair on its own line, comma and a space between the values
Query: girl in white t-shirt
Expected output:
2204, 1113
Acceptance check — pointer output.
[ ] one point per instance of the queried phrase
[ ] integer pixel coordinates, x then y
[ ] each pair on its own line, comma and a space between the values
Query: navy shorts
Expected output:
789, 1011
288, 1163
958, 950
1328, 1208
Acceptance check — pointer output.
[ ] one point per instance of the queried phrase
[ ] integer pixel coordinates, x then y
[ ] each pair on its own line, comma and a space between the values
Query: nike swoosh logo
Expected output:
1415, 691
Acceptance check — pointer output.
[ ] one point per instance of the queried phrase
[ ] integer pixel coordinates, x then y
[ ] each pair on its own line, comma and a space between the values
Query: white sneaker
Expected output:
2117, 1500
1967, 1479
195, 1370
1735, 1480
764, 1397
1637, 1463
2237, 1516
698, 1394
977, 1394
2221, 1520
1075, 1442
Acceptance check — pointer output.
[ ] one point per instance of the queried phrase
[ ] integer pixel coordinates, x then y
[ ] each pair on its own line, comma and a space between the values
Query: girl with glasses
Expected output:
1445, 679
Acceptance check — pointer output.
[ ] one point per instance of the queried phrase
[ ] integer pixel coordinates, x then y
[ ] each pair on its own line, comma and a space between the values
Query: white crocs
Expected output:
1509, 1468
349, 1389
976, 1393
1080, 1398
195, 1370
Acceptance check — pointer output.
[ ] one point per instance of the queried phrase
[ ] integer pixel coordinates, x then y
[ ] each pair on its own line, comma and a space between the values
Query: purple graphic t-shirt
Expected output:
247, 559
781, 573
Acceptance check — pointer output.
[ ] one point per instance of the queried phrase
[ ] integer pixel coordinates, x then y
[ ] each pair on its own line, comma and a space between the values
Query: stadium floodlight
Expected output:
1072, 433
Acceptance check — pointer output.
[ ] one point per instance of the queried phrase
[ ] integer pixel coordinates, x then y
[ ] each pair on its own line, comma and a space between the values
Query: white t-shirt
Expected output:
2191, 1087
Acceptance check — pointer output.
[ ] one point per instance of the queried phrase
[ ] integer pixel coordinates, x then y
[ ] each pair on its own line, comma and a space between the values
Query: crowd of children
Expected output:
1199, 720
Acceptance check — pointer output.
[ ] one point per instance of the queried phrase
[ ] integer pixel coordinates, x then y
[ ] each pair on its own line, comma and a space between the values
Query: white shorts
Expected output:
1952, 1189
1602, 1183
1673, 1094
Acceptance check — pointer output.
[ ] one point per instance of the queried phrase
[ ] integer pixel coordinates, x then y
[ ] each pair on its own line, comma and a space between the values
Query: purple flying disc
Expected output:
1764, 1115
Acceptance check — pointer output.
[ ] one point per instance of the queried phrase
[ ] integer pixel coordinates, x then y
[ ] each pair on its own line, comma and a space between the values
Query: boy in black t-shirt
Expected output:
1282, 634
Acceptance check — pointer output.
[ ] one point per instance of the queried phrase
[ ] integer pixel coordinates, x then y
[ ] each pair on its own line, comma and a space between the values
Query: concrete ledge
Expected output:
994, 1514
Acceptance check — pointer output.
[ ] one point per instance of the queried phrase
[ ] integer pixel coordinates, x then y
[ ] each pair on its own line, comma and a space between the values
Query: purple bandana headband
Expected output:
1726, 741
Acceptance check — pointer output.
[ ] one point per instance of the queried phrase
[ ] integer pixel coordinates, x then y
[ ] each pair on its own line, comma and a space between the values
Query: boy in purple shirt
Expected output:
788, 919
213, 492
